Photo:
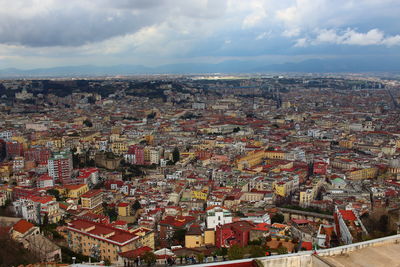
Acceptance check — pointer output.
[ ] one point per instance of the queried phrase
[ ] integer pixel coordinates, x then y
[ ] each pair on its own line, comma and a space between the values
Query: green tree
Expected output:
179, 236
151, 116
13, 253
88, 123
383, 223
149, 258
240, 214
278, 218
221, 252
256, 251
200, 257
281, 250
54, 192
110, 212
236, 252
257, 242
136, 205
45, 219
91, 163
175, 155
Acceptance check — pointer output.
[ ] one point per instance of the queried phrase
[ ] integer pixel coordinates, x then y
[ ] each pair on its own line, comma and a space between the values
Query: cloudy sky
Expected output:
47, 33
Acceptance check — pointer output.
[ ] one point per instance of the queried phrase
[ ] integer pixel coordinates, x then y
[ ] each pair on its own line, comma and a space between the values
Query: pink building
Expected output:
136, 155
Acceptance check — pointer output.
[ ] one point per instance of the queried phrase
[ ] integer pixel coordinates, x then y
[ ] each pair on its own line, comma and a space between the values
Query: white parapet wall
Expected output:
312, 258
394, 239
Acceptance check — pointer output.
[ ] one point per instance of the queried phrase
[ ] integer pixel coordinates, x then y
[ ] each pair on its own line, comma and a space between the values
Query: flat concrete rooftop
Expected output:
384, 255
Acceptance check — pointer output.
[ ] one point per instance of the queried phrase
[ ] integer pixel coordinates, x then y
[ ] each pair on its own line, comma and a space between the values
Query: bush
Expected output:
281, 250
278, 218
200, 257
256, 251
236, 252
256, 242
149, 258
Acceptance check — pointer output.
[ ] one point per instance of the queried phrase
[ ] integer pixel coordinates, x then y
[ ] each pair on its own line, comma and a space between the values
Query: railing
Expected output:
321, 253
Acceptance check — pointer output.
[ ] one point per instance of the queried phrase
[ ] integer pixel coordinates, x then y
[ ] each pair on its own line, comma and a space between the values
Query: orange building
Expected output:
104, 241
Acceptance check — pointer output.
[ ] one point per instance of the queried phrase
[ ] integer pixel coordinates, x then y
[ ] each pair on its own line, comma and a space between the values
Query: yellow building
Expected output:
119, 148
195, 237
22, 140
283, 188
55, 143
104, 241
275, 154
209, 237
146, 153
90, 137
146, 236
199, 194
252, 158
149, 139
251, 196
346, 144
310, 193
306, 196
124, 209
360, 174
93, 200
280, 189
76, 190
6, 171
256, 157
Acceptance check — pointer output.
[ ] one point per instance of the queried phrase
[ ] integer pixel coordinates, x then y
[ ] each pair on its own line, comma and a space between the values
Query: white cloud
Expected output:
372, 37
257, 15
392, 40
264, 35
302, 42
304, 16
151, 30
349, 37
293, 32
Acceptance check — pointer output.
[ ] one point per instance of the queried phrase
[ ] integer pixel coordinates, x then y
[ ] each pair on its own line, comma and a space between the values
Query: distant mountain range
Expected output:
307, 66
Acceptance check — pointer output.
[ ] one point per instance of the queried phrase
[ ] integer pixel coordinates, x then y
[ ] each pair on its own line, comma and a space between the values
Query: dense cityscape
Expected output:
179, 170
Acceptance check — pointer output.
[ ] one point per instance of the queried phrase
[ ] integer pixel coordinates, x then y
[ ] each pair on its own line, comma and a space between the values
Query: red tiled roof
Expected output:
178, 221
45, 177
117, 236
91, 193
306, 245
73, 186
132, 254
262, 227
22, 226
348, 215
41, 199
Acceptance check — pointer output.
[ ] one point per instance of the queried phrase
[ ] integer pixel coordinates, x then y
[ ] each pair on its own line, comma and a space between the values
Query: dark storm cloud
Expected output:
78, 24
74, 23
